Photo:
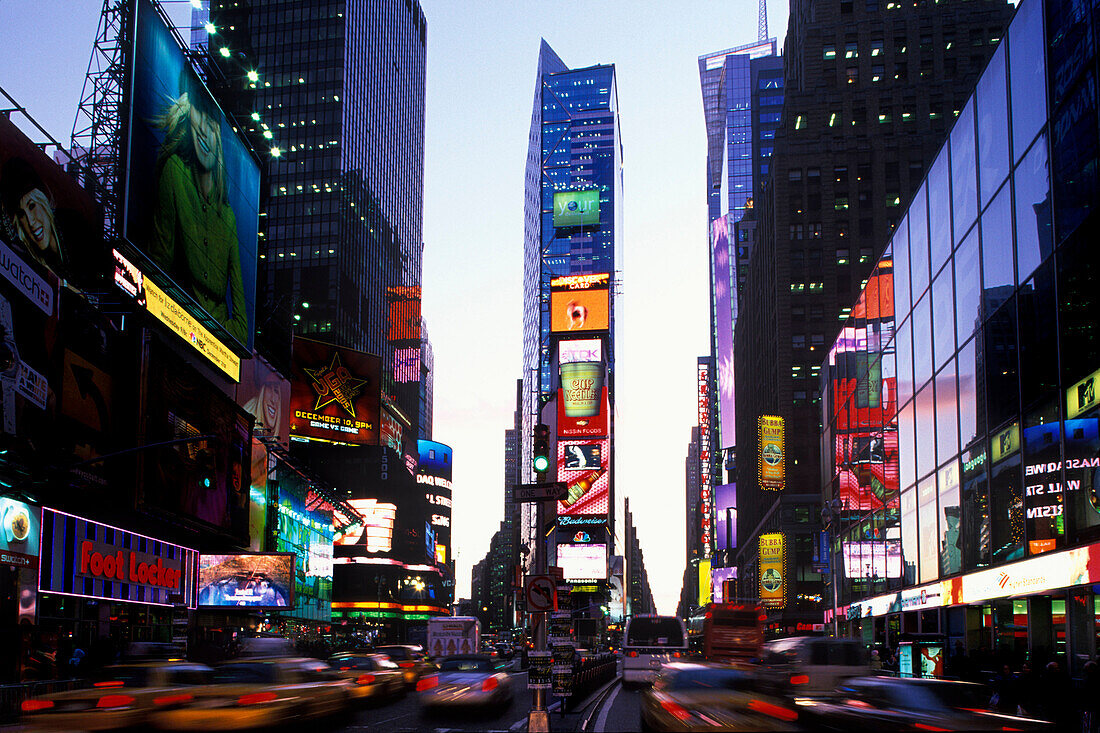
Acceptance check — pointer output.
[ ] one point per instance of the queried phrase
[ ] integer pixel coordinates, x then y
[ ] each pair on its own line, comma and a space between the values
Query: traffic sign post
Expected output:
529, 493
542, 595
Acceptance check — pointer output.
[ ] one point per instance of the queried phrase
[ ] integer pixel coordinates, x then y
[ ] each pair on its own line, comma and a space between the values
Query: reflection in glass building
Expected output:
962, 417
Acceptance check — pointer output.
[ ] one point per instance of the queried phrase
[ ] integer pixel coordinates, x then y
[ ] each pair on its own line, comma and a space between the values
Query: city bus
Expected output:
648, 642
730, 632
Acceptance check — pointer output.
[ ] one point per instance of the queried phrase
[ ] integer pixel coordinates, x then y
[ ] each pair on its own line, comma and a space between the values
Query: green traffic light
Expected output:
541, 463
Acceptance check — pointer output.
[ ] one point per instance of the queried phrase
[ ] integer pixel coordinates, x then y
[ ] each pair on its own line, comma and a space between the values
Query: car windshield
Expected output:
709, 679
465, 664
660, 631
124, 676
395, 652
345, 663
245, 673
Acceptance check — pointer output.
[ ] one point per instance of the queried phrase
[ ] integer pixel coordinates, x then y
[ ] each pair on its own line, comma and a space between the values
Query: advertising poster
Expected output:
583, 562
724, 304
582, 456
203, 480
587, 489
931, 660
872, 559
404, 303
307, 533
725, 519
704, 582
718, 578
576, 208
571, 350
1082, 396
584, 423
580, 303
83, 558
905, 660
773, 570
335, 394
53, 227
265, 394
538, 675
263, 580
192, 187
20, 526
374, 532
772, 459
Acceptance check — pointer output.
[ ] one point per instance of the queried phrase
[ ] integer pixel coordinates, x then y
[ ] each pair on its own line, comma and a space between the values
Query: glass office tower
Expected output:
988, 378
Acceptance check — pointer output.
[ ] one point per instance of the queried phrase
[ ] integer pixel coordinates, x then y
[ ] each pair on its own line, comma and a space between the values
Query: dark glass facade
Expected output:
995, 356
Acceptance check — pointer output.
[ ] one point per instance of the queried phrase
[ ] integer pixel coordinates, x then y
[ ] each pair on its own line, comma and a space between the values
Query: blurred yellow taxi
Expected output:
410, 658
372, 675
712, 697
121, 696
260, 693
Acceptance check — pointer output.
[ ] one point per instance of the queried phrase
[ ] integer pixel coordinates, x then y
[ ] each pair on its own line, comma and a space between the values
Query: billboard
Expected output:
83, 558
571, 350
576, 208
49, 221
260, 580
191, 194
587, 489
583, 423
773, 570
725, 516
583, 562
580, 303
706, 504
404, 322
1082, 396
335, 394
200, 479
582, 456
305, 529
872, 559
374, 532
718, 578
265, 394
772, 459
20, 526
725, 304
586, 534
704, 582
433, 473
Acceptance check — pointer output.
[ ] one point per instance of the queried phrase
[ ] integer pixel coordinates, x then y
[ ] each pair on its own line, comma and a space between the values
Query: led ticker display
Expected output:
261, 580
725, 305
773, 570
583, 562
576, 208
872, 559
571, 350
580, 303
772, 460
587, 489
335, 394
192, 187
706, 513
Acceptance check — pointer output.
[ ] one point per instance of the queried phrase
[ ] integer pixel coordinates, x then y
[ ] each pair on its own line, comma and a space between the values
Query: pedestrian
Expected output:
1055, 689
1006, 691
876, 662
1090, 698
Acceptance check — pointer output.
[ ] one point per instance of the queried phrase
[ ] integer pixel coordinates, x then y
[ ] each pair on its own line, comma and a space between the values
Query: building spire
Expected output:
762, 22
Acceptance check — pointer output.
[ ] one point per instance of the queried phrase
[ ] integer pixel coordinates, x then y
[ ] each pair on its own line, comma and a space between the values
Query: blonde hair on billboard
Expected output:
175, 120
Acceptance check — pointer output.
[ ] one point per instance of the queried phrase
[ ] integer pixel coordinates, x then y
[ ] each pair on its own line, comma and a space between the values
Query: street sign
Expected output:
528, 493
541, 593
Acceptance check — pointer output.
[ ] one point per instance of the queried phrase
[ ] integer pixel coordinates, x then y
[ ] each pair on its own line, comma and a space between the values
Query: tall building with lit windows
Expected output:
871, 88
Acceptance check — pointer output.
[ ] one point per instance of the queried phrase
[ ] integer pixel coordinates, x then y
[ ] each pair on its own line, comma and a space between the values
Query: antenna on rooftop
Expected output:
762, 22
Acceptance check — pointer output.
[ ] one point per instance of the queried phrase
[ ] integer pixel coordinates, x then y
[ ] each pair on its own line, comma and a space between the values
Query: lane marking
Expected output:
601, 720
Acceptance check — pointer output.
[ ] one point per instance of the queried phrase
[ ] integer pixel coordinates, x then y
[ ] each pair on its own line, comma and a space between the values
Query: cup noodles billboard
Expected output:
335, 394
580, 303
587, 487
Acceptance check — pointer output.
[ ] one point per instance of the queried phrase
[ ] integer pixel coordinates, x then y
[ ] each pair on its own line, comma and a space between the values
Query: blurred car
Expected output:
466, 681
901, 704
260, 693
121, 696
372, 675
688, 696
410, 658
505, 650
806, 666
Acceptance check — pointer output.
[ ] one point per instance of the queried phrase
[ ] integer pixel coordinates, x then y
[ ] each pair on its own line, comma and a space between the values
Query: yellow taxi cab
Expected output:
410, 658
261, 693
372, 675
120, 696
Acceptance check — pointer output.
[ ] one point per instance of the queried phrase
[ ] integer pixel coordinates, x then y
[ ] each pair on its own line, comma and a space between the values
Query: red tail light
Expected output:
675, 710
110, 683
923, 726
365, 679
489, 685
33, 706
800, 679
772, 710
257, 698
115, 701
427, 683
676, 654
172, 699
633, 654
406, 665
344, 669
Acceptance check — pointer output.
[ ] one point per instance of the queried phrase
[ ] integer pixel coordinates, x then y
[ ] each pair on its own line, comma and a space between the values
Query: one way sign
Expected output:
540, 492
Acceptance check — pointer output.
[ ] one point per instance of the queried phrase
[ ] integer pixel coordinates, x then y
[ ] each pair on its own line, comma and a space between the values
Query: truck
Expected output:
449, 635
728, 632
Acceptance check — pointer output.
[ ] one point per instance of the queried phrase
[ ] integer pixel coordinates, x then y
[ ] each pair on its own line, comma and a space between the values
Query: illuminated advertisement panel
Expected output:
265, 394
192, 187
580, 303
261, 580
583, 534
706, 513
374, 531
725, 516
335, 394
404, 303
433, 474
582, 424
1082, 396
724, 304
772, 458
583, 562
83, 558
571, 350
718, 578
872, 559
576, 208
305, 529
49, 220
406, 364
704, 582
20, 527
587, 489
773, 570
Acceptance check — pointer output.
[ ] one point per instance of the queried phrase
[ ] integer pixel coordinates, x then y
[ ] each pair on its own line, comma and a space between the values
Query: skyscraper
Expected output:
870, 88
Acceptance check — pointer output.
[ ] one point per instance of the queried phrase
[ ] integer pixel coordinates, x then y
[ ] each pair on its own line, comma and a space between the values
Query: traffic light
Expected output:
541, 452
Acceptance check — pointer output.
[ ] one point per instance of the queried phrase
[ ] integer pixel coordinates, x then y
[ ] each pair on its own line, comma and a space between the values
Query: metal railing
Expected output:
12, 696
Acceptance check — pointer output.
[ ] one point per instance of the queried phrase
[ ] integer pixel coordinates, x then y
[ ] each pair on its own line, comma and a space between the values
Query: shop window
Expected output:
909, 536
928, 568
974, 507
1044, 500
1006, 495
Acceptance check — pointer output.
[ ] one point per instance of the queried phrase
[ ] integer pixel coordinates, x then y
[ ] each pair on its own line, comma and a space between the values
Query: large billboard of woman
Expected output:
192, 185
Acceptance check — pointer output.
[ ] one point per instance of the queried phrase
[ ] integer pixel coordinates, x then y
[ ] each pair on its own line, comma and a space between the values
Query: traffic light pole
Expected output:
538, 720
